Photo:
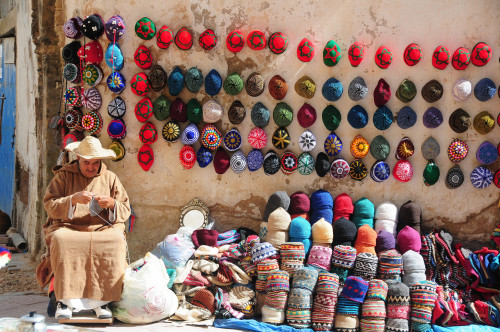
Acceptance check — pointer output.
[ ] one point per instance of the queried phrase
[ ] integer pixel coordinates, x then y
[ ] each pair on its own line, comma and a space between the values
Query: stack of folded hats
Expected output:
242, 299
385, 218
410, 214
300, 231
343, 258
409, 239
278, 225
398, 307
277, 288
366, 240
228, 237
364, 212
365, 266
292, 257
321, 206
298, 311
325, 299
413, 268
344, 232
342, 207
263, 269
350, 299
322, 233
423, 297
300, 205
373, 312
385, 241
263, 250
320, 257
278, 199
390, 264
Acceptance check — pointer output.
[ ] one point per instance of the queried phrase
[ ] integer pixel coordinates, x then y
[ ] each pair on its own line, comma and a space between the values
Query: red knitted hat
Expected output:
146, 157
278, 42
305, 50
142, 57
342, 207
306, 115
382, 93
441, 57
165, 37
206, 237
144, 109
356, 54
148, 133
221, 161
413, 54
235, 41
481, 54
299, 203
91, 53
208, 39
184, 39
178, 110
403, 170
383, 57
204, 299
461, 58
187, 157
140, 84
256, 40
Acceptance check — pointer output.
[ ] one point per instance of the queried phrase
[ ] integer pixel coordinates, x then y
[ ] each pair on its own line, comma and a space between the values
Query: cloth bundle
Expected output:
365, 266
343, 258
423, 297
263, 269
320, 257
364, 212
277, 288
321, 206
385, 218
325, 299
349, 303
413, 267
292, 257
342, 207
278, 225
373, 312
390, 264
300, 231
397, 307
298, 311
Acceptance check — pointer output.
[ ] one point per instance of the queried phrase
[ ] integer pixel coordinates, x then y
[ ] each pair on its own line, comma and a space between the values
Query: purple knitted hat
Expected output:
385, 241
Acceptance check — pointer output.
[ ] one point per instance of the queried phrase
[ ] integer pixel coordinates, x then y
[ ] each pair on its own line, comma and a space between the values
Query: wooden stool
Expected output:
86, 317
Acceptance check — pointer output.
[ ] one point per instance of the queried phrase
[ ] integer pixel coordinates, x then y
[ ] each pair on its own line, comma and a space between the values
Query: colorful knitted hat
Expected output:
204, 157
380, 148
359, 147
305, 87
333, 145
365, 265
301, 229
441, 57
283, 114
233, 84
145, 28
485, 89
382, 118
306, 116
484, 122
238, 162
210, 137
455, 177
423, 297
213, 83
178, 110
457, 150
93, 26
71, 73
92, 75
331, 117
161, 108
481, 177
212, 111
385, 241
208, 39
184, 39
278, 42
190, 135
383, 57
412, 54
355, 289
235, 41
343, 256
114, 57
305, 50
221, 161
193, 79
430, 148
289, 162
92, 122
331, 53
261, 251
322, 164
460, 121
487, 153
91, 53
73, 28
257, 138
255, 85
380, 171
305, 163
142, 57
171, 131
481, 54
145, 157
116, 82
278, 87
366, 240
332, 89
358, 170
339, 168
236, 113
232, 140
114, 28
118, 148
320, 257
356, 54
148, 133
403, 171
405, 148
204, 299
307, 141
406, 117
140, 84
117, 129
390, 264
260, 115
70, 52
91, 99
406, 91
357, 89
382, 93
165, 37
187, 157
321, 199
256, 40
461, 58
71, 137
271, 163
255, 159
73, 119
357, 117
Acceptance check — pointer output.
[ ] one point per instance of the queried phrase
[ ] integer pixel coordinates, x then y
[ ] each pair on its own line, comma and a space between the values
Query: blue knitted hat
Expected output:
300, 228
317, 214
232, 140
263, 250
204, 157
333, 145
321, 199
355, 289
357, 117
190, 135
481, 177
380, 171
193, 79
332, 89
114, 56
382, 118
406, 118
260, 115
487, 153
305, 278
485, 89
213, 82
175, 82
255, 159
432, 118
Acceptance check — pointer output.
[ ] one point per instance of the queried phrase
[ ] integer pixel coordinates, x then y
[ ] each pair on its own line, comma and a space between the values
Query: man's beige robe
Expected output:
86, 256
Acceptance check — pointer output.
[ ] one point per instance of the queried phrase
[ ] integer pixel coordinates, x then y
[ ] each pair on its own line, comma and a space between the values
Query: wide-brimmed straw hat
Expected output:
90, 148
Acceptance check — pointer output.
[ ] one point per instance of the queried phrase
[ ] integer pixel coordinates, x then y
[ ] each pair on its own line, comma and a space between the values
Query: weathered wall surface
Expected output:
237, 200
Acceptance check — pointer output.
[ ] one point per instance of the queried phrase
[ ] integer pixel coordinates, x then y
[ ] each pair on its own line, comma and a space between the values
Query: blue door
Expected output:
7, 124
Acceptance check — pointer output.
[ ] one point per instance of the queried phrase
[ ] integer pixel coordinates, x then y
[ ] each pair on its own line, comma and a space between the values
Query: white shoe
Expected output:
103, 312
63, 311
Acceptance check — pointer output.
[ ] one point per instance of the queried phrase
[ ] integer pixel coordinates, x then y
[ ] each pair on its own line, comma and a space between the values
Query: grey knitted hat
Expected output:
357, 89
413, 267
276, 200
260, 115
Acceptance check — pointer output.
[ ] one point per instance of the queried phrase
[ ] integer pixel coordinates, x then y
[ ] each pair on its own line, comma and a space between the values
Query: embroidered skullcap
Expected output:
114, 28
187, 157
331, 117
260, 115
171, 131
380, 171
238, 162
281, 138
210, 137
332, 89
406, 91
432, 118
271, 163
255, 159
331, 53
208, 39
140, 84
118, 148
339, 168
359, 147
233, 84
357, 89
289, 162
213, 82
235, 41
405, 148
432, 91
117, 129
382, 93
481, 54
161, 108
257, 138
193, 79
116, 82
403, 171
485, 89
93, 26
430, 148
462, 89
322, 164
278, 87
255, 85
484, 122
278, 42
457, 150
406, 117
71, 73
356, 53
236, 113
184, 39
431, 173
232, 140
333, 145
306, 116
92, 122
481, 177
194, 111
382, 118
91, 99
412, 54
148, 133
455, 177
190, 135
142, 57
441, 57
460, 121
204, 157
305, 163
256, 40
282, 114
380, 148
487, 153
73, 28
165, 37
461, 58
357, 117
145, 28
383, 57
73, 119
212, 111
357, 170
306, 50
178, 110
305, 87
307, 141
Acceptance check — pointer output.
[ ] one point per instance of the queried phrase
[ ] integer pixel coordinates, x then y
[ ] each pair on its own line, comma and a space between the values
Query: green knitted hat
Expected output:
380, 148
406, 91
431, 173
283, 114
233, 84
331, 117
161, 108
194, 111
331, 53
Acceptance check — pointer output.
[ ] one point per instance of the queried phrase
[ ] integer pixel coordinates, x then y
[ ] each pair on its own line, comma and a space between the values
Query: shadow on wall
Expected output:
5, 222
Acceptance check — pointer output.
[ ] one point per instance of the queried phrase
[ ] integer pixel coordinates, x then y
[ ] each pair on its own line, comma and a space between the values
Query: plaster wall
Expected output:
238, 200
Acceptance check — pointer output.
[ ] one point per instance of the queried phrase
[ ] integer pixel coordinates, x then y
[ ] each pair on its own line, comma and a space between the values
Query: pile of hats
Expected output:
373, 310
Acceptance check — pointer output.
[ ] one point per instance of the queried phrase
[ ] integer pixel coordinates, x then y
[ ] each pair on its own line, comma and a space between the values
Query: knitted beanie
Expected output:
398, 306
342, 207
344, 232
385, 241
320, 257
205, 237
276, 200
277, 288
410, 214
373, 311
262, 251
343, 258
325, 299
277, 227
423, 297
385, 218
298, 312
277, 238
363, 214
300, 231
299, 203
264, 267
390, 264
322, 232
240, 296
292, 251
413, 267
366, 240
377, 290
322, 213
365, 266
409, 239
204, 299
321, 199
349, 302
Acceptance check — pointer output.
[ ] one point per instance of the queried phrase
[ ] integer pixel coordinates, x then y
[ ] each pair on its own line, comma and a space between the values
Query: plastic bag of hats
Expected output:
146, 297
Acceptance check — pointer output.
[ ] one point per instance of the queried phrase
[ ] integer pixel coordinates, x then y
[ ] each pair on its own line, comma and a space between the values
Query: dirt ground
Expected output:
19, 275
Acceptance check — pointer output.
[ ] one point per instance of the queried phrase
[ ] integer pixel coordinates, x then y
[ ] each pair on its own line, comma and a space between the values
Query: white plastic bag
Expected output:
146, 297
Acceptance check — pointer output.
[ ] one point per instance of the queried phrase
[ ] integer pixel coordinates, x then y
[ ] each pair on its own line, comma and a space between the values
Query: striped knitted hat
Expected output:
423, 298
325, 299
273, 311
365, 265
320, 257
390, 265
278, 280
264, 267
398, 300
292, 251
377, 290
344, 257
305, 278
262, 251
355, 289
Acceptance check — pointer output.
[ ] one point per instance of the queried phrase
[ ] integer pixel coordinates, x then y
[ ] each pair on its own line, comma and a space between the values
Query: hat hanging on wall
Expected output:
256, 40
382, 93
403, 171
145, 28
306, 50
357, 170
357, 89
235, 41
187, 157
255, 85
208, 39
484, 122
145, 157
289, 163
332, 89
236, 113
142, 57
211, 137
331, 53
238, 162
462, 89
73, 28
71, 73
380, 171
406, 117
278, 87
432, 91
233, 84
165, 37
158, 78
271, 163
307, 141
278, 42
140, 84
305, 87
73, 96
306, 116
71, 137
441, 57
92, 75
481, 54
455, 177
487, 153
461, 58
405, 149
485, 89
184, 39
212, 111
116, 82
406, 91
322, 164
380, 148
190, 135
382, 118
359, 147
91, 53
204, 157
92, 122
356, 53
117, 129
148, 133
282, 114
383, 57
255, 159
222, 161
460, 121
73, 119
114, 56
333, 145
175, 81
412, 54
171, 131
481, 177
143, 109
93, 26
432, 118
431, 173
70, 52
430, 148
91, 99
114, 28
232, 140
331, 117
281, 138
339, 168
260, 115
357, 117
257, 138
213, 82
118, 148
161, 108
457, 150
178, 110
194, 111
